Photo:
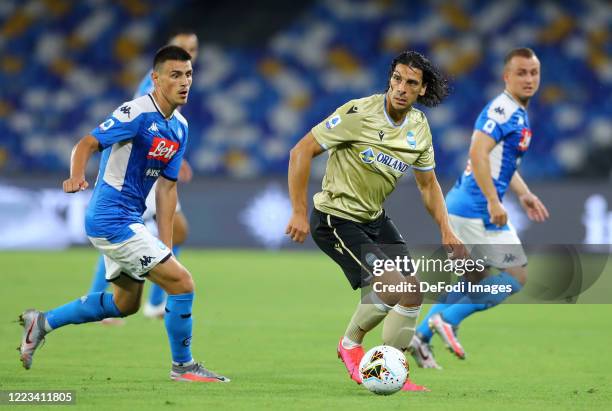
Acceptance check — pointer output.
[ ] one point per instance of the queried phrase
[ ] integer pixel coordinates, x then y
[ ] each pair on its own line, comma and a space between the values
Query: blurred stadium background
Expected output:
267, 72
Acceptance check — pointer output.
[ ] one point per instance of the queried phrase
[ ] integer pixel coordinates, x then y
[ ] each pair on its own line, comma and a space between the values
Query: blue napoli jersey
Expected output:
145, 86
505, 121
138, 145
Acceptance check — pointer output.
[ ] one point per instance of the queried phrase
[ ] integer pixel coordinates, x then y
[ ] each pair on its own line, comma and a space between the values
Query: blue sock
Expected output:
89, 308
157, 295
473, 302
178, 326
443, 303
99, 284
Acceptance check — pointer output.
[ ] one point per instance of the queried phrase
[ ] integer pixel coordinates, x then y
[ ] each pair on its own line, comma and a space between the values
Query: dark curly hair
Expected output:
437, 84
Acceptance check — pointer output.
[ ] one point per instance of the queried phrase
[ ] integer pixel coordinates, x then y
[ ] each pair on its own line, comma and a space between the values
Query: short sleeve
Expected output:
171, 171
492, 123
425, 161
122, 125
341, 127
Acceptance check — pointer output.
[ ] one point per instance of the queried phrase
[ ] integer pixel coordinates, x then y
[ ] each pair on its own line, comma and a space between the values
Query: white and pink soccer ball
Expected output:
383, 370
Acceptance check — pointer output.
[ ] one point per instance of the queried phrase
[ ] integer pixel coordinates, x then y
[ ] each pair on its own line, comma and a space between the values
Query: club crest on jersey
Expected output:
333, 122
525, 139
162, 149
411, 139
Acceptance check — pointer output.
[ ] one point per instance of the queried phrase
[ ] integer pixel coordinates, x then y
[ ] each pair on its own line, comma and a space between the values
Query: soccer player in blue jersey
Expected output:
154, 307
476, 212
142, 142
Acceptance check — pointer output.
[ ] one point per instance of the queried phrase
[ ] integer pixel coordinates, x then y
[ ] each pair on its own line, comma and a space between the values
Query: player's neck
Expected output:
396, 116
523, 102
165, 107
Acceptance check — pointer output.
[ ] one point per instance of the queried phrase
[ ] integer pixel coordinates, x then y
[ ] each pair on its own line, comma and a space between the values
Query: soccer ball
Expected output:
383, 370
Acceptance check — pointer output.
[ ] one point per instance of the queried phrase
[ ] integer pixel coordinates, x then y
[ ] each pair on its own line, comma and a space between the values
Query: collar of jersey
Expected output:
158, 109
507, 93
391, 123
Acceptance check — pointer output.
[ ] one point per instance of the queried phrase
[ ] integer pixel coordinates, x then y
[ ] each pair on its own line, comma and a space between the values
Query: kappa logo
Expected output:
411, 139
145, 261
508, 258
500, 110
153, 128
126, 110
162, 149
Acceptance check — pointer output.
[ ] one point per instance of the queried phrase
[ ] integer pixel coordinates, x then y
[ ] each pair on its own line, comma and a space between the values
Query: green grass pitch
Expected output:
271, 321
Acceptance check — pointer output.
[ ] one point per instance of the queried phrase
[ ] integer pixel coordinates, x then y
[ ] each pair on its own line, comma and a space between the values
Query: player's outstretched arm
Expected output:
433, 199
81, 153
300, 157
481, 146
165, 203
535, 209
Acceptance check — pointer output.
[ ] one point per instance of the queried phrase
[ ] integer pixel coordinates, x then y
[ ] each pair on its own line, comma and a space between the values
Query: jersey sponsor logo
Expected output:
525, 139
107, 124
153, 128
162, 149
126, 110
152, 172
333, 122
352, 110
367, 156
411, 139
392, 162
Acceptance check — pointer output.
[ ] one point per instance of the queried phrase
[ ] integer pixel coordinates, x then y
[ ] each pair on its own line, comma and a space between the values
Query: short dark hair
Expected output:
170, 53
437, 84
520, 52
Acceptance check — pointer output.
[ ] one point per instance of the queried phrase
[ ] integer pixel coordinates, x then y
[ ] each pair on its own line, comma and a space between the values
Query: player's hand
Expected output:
298, 227
535, 209
498, 213
185, 172
74, 184
454, 247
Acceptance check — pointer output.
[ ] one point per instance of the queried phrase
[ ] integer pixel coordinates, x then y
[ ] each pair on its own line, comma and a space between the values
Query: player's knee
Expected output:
184, 284
127, 306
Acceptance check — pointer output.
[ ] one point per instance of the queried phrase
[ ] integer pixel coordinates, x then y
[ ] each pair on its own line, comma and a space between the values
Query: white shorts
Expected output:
135, 256
499, 248
149, 214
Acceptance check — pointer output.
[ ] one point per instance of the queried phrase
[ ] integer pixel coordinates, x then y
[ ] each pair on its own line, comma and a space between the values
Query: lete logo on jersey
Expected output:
162, 149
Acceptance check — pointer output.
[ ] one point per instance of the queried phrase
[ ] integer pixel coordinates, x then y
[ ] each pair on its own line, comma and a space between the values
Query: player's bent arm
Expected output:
300, 158
433, 199
81, 153
480, 148
165, 202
